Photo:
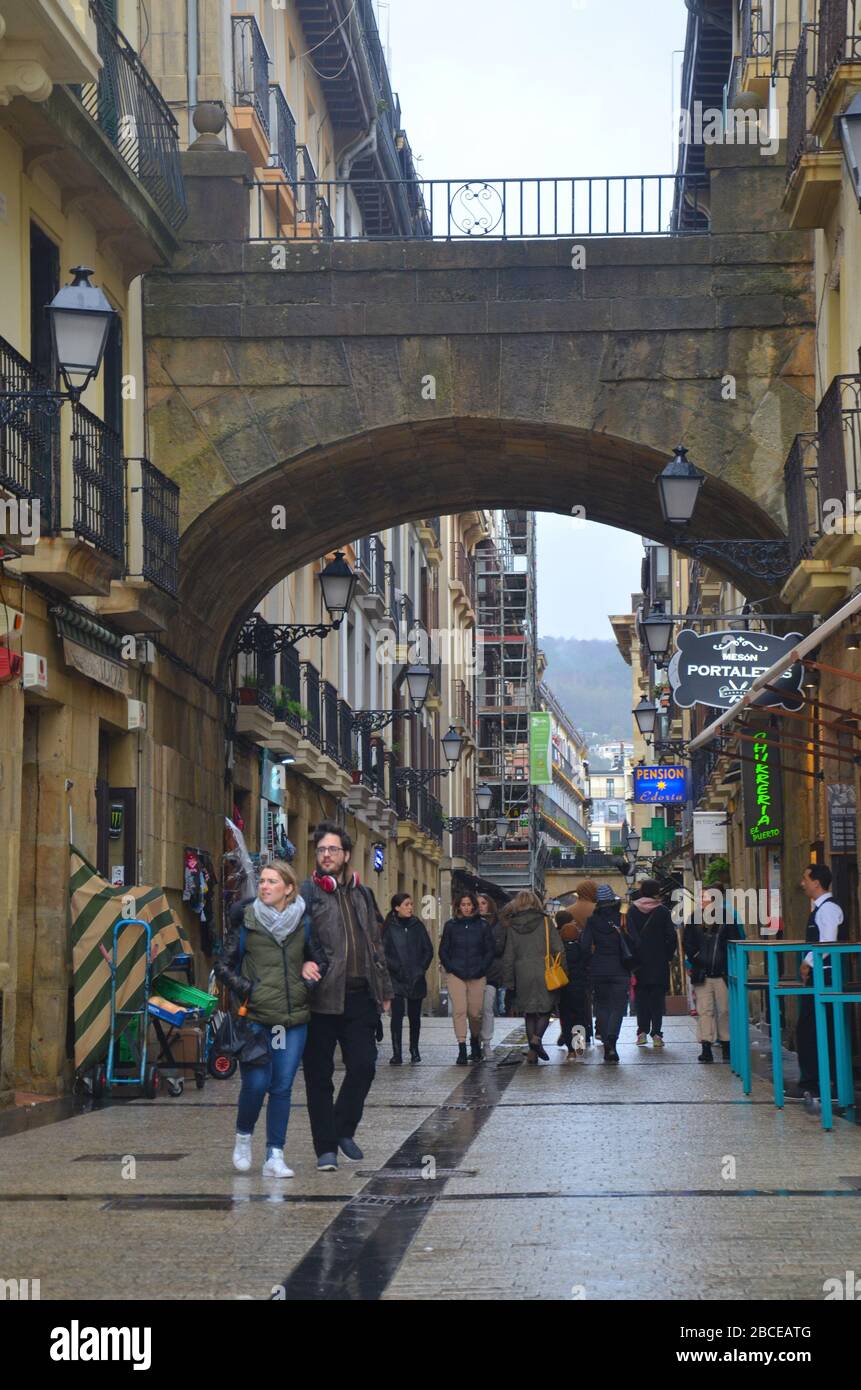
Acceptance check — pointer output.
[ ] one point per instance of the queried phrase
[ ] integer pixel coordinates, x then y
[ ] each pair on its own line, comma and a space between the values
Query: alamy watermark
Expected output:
711, 125
712, 907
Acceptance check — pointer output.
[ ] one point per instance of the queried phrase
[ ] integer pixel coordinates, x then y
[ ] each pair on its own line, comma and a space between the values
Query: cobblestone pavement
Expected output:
657, 1179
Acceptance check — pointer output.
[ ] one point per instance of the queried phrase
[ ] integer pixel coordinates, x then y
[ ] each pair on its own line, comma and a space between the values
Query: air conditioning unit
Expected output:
136, 715
35, 671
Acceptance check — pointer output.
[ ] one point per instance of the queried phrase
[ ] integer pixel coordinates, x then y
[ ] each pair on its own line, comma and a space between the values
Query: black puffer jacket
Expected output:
705, 948
494, 971
466, 949
654, 940
409, 952
601, 943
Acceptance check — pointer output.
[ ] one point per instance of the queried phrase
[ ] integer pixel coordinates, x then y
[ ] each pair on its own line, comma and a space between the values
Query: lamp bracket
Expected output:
764, 560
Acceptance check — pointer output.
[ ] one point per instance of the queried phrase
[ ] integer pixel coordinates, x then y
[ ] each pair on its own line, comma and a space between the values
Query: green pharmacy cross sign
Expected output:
659, 835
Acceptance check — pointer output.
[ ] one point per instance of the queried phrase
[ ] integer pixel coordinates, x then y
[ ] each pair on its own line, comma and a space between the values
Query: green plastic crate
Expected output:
192, 998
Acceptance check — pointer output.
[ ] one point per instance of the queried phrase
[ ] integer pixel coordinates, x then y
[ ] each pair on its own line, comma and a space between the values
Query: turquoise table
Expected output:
835, 996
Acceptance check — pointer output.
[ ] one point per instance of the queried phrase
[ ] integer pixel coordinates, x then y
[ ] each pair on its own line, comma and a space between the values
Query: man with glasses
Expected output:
348, 1002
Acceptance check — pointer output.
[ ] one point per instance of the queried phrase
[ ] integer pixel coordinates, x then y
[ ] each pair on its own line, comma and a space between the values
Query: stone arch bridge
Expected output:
363, 384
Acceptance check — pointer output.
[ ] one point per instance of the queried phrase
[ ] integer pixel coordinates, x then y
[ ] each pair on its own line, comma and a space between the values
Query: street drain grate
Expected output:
120, 1158
417, 1174
169, 1204
372, 1200
468, 1105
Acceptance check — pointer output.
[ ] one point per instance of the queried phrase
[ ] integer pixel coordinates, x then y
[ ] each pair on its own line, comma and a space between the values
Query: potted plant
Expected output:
248, 691
555, 856
280, 700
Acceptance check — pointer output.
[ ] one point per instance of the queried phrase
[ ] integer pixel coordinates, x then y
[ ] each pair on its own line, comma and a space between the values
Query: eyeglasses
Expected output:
330, 849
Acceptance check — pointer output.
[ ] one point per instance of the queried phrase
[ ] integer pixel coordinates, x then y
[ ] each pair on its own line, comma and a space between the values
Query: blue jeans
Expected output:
276, 1077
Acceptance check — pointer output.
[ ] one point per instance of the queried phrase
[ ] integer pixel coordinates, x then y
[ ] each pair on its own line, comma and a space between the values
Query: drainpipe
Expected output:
364, 144
192, 42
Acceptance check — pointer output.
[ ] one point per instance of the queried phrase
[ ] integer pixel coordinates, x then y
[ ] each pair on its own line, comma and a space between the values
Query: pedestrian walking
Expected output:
827, 922
271, 964
493, 982
610, 961
409, 952
466, 953
705, 946
346, 1008
530, 937
573, 999
653, 939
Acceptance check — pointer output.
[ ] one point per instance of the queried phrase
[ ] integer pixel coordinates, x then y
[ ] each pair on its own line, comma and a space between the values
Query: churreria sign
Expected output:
718, 668
763, 792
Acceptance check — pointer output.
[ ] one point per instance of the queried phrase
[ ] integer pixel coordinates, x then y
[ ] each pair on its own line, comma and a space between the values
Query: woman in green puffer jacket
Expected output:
270, 963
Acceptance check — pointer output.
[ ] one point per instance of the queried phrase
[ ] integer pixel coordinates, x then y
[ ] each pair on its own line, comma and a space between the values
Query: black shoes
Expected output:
415, 1055
537, 1047
462, 1059
396, 1058
350, 1149
706, 1053
610, 1053
724, 1047
475, 1050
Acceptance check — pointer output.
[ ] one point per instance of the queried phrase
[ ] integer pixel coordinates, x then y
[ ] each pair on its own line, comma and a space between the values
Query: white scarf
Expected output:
280, 924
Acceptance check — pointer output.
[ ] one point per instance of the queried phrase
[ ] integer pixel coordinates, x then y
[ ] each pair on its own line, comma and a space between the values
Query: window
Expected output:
113, 378
611, 786
44, 284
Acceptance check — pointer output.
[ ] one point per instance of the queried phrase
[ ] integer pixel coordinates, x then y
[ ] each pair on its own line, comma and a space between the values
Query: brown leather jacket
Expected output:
329, 935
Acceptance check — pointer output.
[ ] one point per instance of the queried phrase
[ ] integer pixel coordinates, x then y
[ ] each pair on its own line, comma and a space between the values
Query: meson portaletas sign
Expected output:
718, 668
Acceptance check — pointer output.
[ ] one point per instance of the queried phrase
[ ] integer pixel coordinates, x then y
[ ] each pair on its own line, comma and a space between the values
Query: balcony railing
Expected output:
839, 418
282, 134
291, 683
98, 468
346, 749
464, 844
492, 209
755, 37
311, 720
331, 740
463, 569
371, 561
801, 487
839, 37
130, 110
463, 708
160, 521
250, 68
801, 102
29, 443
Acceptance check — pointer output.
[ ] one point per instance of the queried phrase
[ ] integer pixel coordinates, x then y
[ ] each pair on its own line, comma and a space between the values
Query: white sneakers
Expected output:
242, 1153
579, 1039
275, 1167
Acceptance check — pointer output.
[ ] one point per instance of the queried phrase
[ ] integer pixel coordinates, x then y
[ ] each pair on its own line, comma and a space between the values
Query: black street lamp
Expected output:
80, 316
658, 631
452, 746
484, 798
503, 825
848, 128
633, 843
338, 583
645, 714
679, 487
418, 684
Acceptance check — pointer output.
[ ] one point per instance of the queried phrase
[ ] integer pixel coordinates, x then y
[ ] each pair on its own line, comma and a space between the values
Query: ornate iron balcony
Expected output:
29, 442
131, 111
282, 126
98, 468
160, 519
250, 67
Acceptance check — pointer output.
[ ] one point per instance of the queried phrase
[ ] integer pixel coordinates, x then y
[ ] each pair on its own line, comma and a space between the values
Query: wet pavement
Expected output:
657, 1179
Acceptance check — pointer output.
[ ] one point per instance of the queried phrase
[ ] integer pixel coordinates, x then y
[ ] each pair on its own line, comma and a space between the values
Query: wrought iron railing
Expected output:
346, 750
282, 134
464, 710
371, 561
755, 36
29, 442
311, 721
464, 844
801, 488
130, 110
98, 469
839, 419
801, 100
250, 67
495, 209
463, 569
331, 740
839, 37
160, 522
291, 683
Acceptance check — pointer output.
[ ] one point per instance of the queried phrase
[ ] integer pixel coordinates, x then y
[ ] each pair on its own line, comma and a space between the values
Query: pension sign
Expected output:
660, 786
718, 669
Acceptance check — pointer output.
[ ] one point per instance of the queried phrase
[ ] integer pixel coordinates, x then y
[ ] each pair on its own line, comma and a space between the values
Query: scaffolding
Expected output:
506, 693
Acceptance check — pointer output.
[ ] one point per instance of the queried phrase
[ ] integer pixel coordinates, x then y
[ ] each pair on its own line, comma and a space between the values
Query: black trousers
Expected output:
611, 997
413, 1009
355, 1032
574, 1011
805, 1039
649, 1001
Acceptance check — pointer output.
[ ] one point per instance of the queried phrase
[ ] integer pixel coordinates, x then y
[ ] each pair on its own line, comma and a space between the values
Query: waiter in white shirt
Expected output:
825, 923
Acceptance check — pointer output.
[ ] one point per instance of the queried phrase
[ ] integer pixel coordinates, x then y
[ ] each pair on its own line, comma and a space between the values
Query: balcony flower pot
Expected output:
355, 776
248, 695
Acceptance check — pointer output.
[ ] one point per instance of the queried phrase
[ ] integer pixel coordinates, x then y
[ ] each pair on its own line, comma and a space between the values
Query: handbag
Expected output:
236, 1037
555, 976
629, 960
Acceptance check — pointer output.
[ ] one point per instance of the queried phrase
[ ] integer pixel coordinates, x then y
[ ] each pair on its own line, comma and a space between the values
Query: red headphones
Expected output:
330, 884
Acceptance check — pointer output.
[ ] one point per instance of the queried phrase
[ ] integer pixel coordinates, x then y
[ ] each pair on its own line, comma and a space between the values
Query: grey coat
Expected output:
523, 961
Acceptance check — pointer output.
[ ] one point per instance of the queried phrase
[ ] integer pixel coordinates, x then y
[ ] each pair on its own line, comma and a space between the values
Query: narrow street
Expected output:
566, 1181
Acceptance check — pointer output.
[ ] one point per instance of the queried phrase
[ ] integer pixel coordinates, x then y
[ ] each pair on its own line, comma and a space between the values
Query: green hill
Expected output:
592, 682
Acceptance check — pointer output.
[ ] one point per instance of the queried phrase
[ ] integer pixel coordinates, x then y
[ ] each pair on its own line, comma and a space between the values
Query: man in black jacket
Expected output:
346, 1007
654, 942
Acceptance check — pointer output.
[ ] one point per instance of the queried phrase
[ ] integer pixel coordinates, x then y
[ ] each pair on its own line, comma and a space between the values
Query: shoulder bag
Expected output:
555, 976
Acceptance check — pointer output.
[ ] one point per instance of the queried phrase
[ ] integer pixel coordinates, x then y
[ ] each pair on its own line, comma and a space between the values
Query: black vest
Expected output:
812, 933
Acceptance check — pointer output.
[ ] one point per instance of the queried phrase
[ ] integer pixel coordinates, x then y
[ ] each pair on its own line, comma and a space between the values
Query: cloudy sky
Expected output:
551, 88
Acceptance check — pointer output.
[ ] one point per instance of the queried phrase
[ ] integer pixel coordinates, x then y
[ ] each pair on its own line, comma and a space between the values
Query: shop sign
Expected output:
98, 668
842, 818
379, 858
710, 832
762, 785
718, 668
660, 786
540, 762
